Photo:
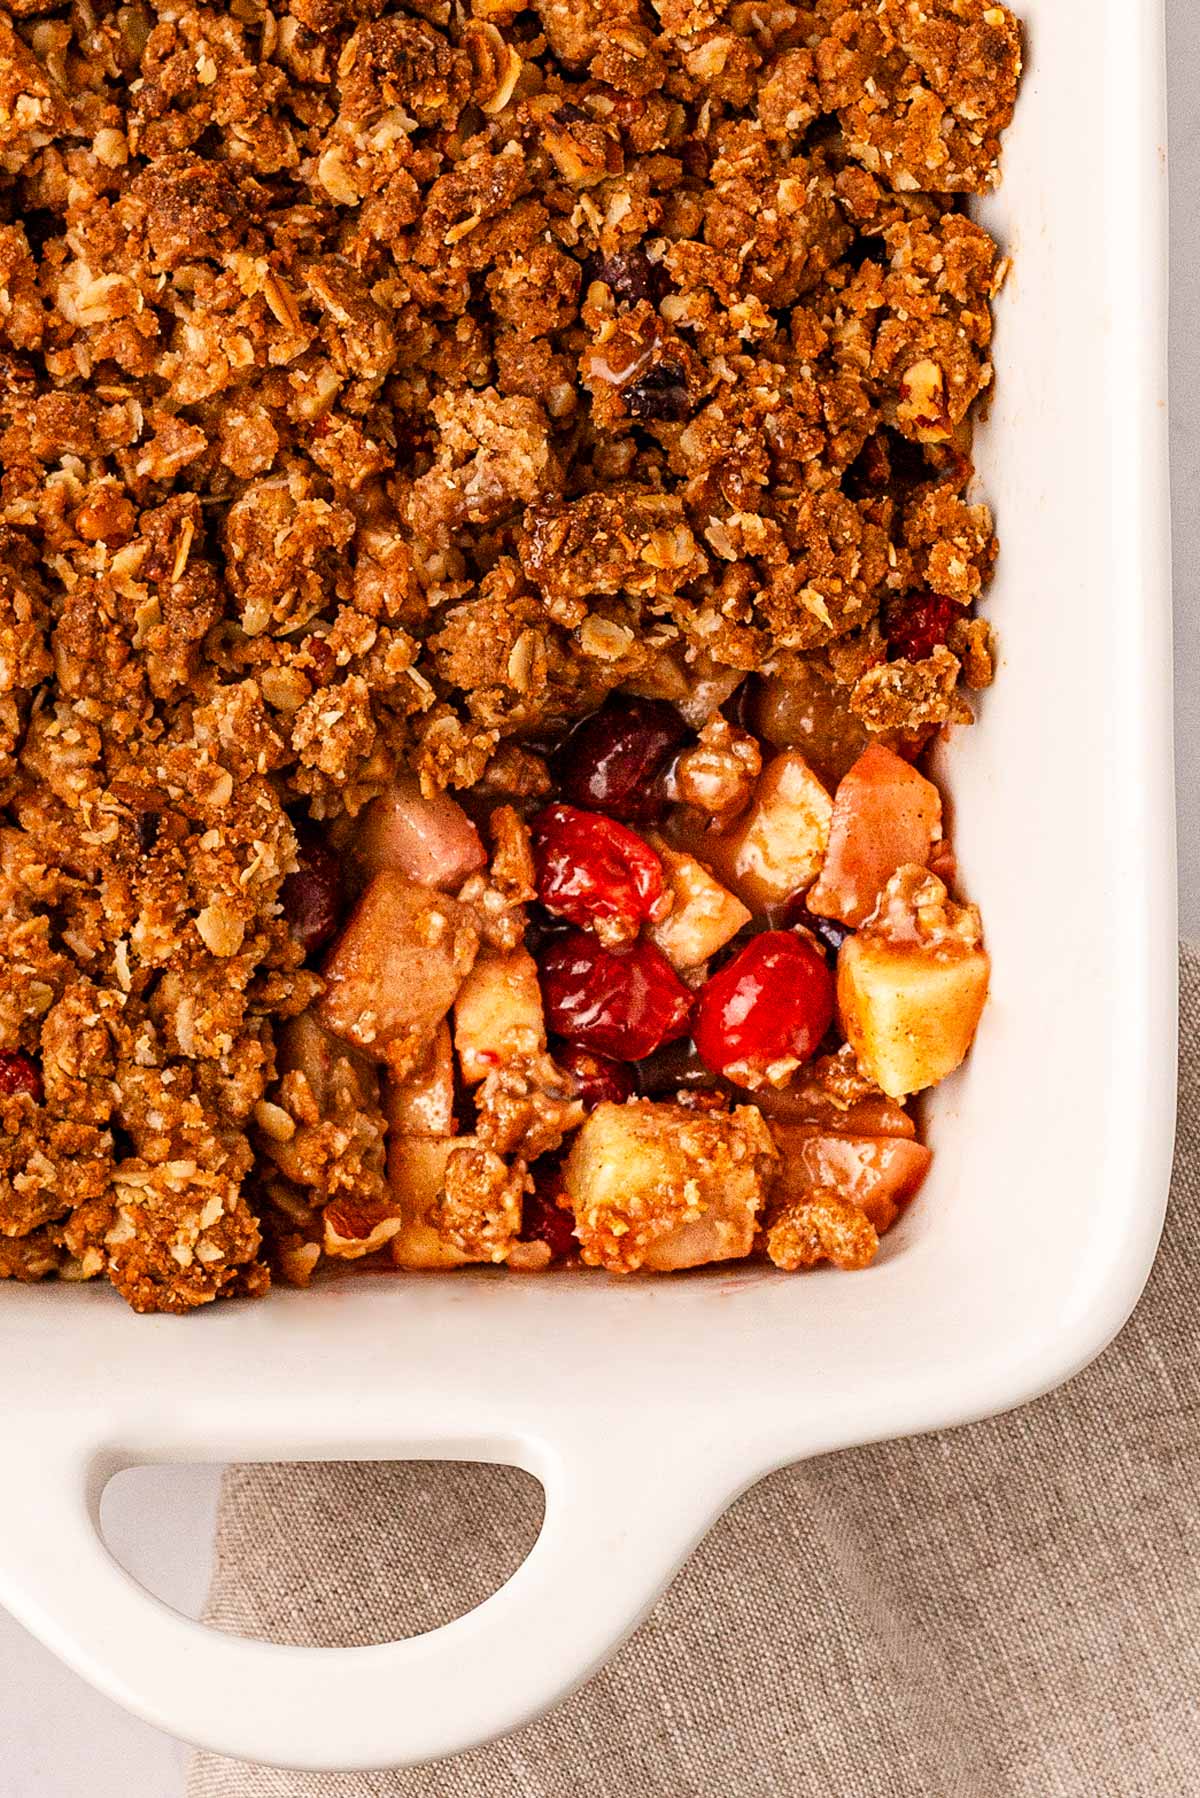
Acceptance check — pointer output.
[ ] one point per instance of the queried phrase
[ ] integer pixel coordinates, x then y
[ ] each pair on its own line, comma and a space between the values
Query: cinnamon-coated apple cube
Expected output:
704, 916
779, 844
422, 1104
429, 840
395, 971
458, 1201
662, 1187
416, 1168
885, 815
911, 985
878, 1173
498, 1014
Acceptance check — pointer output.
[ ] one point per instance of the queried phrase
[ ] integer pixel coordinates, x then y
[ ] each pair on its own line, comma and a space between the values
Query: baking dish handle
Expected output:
620, 1517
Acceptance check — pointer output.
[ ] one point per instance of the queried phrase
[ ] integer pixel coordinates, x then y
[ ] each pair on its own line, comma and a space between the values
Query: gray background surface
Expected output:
61, 1739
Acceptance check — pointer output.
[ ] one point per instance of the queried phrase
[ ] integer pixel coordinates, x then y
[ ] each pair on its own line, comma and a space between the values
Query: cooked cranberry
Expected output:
623, 1003
629, 274
766, 1010
595, 872
146, 826
18, 1074
543, 1220
312, 896
612, 760
596, 1078
660, 395
915, 625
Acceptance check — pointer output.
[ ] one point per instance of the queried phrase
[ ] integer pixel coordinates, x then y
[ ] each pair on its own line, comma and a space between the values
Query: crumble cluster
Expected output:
380, 386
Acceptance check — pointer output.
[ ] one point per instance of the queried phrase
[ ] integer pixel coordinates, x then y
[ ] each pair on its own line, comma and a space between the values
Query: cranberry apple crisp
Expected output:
484, 545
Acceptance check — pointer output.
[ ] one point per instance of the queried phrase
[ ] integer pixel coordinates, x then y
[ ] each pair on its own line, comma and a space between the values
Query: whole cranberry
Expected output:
312, 896
765, 1011
596, 873
916, 624
544, 1220
620, 1003
596, 1078
18, 1074
612, 761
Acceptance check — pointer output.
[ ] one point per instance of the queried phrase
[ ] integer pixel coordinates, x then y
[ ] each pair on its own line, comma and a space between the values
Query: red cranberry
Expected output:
915, 625
596, 1078
542, 1220
623, 1003
18, 1074
312, 896
766, 1010
595, 872
611, 762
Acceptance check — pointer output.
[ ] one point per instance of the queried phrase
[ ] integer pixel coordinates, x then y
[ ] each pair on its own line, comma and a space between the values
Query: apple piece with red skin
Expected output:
886, 816
880, 1174
429, 840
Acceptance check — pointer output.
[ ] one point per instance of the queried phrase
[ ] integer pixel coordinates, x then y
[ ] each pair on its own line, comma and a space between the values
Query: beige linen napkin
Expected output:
1010, 1610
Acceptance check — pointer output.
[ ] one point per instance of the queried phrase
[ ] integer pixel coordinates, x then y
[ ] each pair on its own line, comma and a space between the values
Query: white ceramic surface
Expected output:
644, 1408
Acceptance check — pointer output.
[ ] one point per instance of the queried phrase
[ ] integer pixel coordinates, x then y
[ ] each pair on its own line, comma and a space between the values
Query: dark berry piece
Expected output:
629, 275
543, 1220
312, 896
828, 931
660, 395
18, 1074
625, 1004
916, 624
612, 761
597, 1079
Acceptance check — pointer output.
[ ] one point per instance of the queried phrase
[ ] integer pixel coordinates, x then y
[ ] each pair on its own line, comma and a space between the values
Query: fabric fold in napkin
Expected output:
1010, 1610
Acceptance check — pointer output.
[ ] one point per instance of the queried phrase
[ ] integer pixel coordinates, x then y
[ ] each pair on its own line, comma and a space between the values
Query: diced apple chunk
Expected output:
779, 844
431, 841
911, 985
423, 1103
878, 1173
498, 1014
704, 916
395, 971
416, 1174
662, 1187
458, 1201
885, 815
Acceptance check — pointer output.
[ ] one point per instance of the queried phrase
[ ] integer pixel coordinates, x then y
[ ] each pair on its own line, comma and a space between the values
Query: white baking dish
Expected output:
644, 1408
